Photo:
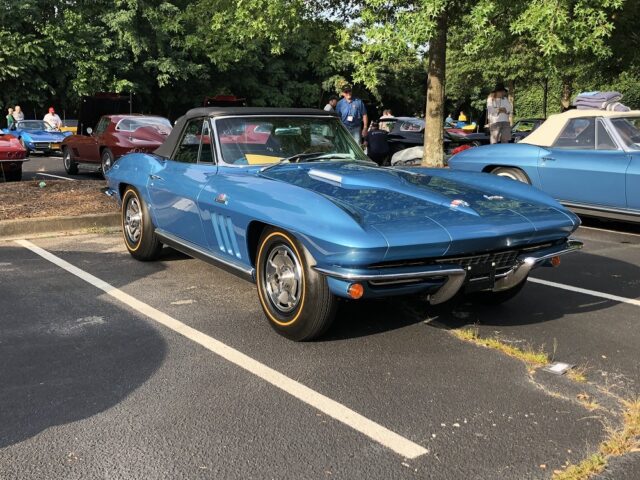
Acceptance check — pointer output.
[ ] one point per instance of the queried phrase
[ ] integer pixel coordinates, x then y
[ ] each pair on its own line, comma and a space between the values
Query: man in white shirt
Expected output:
498, 110
331, 106
53, 119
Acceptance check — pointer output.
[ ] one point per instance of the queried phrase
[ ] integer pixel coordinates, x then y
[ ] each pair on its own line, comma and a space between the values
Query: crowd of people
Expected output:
15, 115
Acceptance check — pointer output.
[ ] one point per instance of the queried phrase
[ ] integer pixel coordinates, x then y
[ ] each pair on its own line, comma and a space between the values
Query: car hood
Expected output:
44, 136
426, 213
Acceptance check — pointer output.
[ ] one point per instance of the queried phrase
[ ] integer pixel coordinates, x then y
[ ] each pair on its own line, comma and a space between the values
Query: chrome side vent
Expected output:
225, 236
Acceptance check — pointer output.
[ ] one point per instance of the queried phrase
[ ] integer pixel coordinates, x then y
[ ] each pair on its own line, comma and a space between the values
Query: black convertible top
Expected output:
167, 148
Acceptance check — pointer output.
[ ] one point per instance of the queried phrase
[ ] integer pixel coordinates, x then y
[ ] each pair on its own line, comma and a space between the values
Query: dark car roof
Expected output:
167, 148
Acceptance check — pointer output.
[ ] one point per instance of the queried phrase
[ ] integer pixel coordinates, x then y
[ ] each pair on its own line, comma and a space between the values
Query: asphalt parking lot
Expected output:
41, 167
170, 370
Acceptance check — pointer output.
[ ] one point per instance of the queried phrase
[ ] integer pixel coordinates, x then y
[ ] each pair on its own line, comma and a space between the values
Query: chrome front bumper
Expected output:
453, 276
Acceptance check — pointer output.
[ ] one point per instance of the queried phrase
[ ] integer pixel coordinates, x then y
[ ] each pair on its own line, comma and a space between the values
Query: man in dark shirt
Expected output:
377, 145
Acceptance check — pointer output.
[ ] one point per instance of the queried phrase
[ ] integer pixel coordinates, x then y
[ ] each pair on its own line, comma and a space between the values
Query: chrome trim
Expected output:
196, 251
528, 262
454, 275
590, 209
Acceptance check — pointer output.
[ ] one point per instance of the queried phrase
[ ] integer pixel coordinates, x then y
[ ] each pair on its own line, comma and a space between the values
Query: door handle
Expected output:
155, 177
548, 159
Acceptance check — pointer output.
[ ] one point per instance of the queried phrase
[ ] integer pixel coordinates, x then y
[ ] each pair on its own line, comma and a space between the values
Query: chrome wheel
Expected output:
133, 220
107, 160
66, 160
283, 276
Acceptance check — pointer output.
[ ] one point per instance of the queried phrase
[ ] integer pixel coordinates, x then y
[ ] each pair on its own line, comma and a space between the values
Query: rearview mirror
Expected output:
89, 130
288, 132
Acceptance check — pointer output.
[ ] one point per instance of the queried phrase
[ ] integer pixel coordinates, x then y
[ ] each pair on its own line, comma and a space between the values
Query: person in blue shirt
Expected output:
353, 114
377, 144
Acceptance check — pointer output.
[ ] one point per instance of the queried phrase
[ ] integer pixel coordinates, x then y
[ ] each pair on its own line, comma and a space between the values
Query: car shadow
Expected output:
66, 352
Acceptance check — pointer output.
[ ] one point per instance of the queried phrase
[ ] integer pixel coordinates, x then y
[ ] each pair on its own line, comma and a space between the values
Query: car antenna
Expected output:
130, 102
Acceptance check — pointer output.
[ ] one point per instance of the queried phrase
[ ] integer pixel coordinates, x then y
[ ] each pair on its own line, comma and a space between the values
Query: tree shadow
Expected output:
67, 353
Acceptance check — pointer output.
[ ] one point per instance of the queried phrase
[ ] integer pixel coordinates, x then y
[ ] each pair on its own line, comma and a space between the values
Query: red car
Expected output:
114, 136
12, 155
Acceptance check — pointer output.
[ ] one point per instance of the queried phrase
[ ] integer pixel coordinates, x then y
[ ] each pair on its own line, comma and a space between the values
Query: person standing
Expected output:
18, 116
53, 119
331, 105
10, 120
498, 110
353, 114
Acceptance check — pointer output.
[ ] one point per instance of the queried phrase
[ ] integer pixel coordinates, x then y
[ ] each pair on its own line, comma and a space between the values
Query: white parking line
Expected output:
55, 176
585, 291
371, 429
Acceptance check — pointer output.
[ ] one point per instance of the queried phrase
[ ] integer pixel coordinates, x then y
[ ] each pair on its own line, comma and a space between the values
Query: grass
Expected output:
587, 402
578, 374
618, 442
533, 358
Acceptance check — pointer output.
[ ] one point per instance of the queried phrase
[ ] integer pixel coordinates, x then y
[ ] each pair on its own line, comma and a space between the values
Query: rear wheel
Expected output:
512, 173
137, 228
295, 298
107, 160
13, 176
70, 166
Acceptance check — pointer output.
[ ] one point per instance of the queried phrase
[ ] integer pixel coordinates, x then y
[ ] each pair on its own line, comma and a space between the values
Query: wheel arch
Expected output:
492, 167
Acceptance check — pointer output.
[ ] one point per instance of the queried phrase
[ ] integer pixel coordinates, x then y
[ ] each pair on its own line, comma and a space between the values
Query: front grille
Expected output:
498, 260
41, 145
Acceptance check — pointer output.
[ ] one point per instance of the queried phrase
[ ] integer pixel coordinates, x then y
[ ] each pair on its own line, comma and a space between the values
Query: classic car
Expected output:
12, 156
114, 136
589, 160
69, 126
308, 217
38, 135
523, 127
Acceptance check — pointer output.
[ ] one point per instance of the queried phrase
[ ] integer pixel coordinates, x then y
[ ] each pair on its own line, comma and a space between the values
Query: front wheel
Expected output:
138, 230
496, 298
70, 166
106, 160
295, 298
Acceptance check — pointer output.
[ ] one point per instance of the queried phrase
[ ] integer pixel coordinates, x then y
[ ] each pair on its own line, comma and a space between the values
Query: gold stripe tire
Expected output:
294, 297
137, 228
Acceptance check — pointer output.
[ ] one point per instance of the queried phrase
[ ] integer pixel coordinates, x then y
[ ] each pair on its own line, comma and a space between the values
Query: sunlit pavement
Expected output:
93, 388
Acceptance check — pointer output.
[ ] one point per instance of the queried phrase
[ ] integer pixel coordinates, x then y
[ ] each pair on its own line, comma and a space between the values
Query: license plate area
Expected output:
480, 277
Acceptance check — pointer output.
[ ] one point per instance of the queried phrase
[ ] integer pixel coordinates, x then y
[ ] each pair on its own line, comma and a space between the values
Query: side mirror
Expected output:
89, 130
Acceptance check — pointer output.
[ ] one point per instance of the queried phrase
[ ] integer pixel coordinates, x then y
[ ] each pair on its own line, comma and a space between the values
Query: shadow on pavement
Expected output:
67, 353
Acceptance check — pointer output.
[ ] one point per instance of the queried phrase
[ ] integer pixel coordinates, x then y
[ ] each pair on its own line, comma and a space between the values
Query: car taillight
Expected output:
459, 149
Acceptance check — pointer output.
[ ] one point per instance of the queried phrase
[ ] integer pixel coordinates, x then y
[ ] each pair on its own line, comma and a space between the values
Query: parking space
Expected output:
41, 167
100, 387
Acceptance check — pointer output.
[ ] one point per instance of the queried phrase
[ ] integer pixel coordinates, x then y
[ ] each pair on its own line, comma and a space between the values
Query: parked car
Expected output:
587, 159
12, 156
114, 136
69, 126
307, 216
38, 136
523, 127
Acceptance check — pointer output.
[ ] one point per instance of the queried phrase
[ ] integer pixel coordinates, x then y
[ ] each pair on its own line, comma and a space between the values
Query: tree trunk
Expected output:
511, 85
434, 118
545, 96
567, 92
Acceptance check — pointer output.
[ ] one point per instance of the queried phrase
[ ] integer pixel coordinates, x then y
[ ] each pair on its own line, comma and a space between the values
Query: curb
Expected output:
35, 226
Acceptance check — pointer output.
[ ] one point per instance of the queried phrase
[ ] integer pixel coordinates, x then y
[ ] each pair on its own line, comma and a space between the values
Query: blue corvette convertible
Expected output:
287, 199
38, 135
587, 159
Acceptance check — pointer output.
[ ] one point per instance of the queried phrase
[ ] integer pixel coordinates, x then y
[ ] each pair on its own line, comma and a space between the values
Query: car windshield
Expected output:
267, 140
629, 130
33, 125
132, 124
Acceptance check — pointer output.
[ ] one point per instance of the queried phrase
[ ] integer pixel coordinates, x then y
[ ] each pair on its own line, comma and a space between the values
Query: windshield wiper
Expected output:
307, 157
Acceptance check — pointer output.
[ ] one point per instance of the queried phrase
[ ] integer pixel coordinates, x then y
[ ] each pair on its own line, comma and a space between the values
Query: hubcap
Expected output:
507, 175
106, 162
67, 160
133, 220
282, 276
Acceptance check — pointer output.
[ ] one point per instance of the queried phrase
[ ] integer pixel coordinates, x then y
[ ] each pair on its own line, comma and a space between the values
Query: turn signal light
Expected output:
355, 291
555, 261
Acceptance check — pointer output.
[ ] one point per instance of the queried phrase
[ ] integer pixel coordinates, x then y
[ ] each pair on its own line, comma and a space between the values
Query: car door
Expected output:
88, 148
174, 189
585, 166
633, 182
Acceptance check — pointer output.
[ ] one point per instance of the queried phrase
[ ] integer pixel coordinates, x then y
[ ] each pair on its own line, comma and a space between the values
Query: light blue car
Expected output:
287, 199
589, 160
38, 135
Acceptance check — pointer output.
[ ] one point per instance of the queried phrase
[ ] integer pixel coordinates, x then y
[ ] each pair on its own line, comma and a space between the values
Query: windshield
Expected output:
265, 140
132, 124
35, 125
629, 130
